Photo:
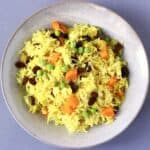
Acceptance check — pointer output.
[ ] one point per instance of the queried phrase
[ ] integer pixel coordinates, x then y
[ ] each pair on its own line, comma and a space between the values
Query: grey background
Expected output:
13, 13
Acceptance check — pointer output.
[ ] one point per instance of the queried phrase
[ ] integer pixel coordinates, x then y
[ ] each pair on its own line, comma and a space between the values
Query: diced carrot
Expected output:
120, 93
104, 54
44, 111
103, 49
53, 57
71, 75
108, 111
111, 83
70, 105
55, 25
59, 26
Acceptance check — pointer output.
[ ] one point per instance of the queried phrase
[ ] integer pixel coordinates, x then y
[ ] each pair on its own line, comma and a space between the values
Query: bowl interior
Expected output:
70, 13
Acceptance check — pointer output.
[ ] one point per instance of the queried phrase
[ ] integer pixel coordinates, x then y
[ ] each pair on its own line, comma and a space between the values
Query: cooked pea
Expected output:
57, 33
86, 50
43, 62
64, 68
73, 44
39, 73
85, 114
46, 75
50, 67
107, 39
80, 50
93, 110
62, 85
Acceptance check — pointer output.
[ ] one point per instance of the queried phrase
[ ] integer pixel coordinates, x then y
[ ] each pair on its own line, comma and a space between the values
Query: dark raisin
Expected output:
73, 86
35, 69
86, 38
79, 44
65, 35
20, 64
93, 98
117, 48
32, 100
94, 94
88, 67
32, 81
81, 70
53, 35
74, 59
25, 80
116, 109
91, 101
47, 29
124, 71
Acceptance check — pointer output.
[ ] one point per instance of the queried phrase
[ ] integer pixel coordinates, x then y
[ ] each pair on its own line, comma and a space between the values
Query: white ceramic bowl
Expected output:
77, 12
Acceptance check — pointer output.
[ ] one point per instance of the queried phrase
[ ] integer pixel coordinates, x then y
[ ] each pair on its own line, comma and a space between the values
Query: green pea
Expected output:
46, 75
57, 32
43, 62
93, 110
73, 44
39, 73
62, 85
86, 50
85, 114
64, 68
50, 67
107, 39
80, 50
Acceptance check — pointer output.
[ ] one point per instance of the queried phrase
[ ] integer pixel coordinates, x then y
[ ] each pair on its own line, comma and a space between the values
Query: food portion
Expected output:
73, 76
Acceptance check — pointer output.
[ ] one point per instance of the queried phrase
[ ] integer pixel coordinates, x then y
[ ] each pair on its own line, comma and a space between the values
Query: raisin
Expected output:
35, 69
86, 37
116, 109
74, 59
65, 35
32, 100
20, 64
124, 71
53, 36
32, 81
73, 86
62, 40
93, 98
117, 48
78, 44
94, 94
25, 80
88, 67
81, 70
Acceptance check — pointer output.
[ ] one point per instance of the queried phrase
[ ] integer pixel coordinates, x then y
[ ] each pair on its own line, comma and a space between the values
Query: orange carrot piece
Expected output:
53, 57
111, 83
59, 26
120, 93
108, 111
44, 111
70, 105
71, 75
55, 25
104, 54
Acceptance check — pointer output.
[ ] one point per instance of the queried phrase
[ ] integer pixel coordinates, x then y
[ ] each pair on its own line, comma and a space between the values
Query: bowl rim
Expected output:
4, 93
